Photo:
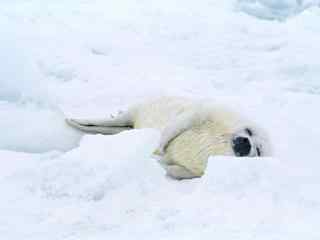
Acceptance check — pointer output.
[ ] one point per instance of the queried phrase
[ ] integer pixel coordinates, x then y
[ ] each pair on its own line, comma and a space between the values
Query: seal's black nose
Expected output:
241, 146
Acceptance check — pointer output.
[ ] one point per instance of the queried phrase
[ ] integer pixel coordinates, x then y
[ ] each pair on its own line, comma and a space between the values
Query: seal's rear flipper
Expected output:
107, 127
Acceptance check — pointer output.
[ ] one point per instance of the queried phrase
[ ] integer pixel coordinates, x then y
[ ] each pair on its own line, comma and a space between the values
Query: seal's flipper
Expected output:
96, 126
179, 172
121, 120
178, 125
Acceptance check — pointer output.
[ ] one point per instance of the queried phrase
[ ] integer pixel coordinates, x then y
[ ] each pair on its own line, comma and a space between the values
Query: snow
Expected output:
34, 128
16, 67
275, 9
79, 58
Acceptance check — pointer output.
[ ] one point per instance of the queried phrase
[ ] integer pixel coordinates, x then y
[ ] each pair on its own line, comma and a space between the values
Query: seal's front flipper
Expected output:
107, 127
181, 123
179, 172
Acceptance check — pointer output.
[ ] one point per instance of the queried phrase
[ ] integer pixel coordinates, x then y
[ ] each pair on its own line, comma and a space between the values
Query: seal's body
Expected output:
191, 131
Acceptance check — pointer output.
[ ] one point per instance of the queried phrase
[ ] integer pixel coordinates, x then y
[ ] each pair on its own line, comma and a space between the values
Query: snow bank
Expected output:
110, 187
101, 165
275, 9
32, 128
30, 120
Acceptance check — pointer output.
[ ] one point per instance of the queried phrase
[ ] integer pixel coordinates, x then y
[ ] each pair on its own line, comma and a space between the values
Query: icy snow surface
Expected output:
275, 9
89, 58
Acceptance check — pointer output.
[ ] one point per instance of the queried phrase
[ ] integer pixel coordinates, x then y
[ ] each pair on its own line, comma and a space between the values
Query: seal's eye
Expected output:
241, 146
258, 151
249, 131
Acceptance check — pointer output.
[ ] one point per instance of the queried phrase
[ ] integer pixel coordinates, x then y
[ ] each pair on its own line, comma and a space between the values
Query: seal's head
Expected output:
250, 142
219, 132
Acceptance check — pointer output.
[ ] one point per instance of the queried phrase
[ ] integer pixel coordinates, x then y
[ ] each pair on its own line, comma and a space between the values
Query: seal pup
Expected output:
191, 132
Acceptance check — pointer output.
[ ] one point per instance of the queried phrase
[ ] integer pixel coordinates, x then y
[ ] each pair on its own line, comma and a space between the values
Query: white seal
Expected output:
191, 132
